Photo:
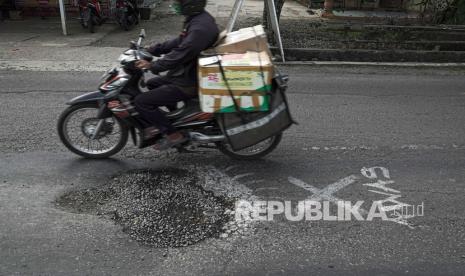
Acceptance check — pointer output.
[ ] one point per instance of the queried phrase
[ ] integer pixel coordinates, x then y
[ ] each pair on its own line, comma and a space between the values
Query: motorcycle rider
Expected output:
200, 32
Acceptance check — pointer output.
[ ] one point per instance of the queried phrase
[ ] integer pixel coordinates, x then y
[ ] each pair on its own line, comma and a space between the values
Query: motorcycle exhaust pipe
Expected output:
202, 138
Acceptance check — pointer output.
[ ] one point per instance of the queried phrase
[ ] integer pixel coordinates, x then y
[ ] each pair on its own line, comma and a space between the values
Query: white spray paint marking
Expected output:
402, 147
381, 177
221, 184
327, 193
371, 172
392, 194
231, 168
338, 148
254, 182
239, 176
266, 189
54, 44
425, 147
393, 209
380, 184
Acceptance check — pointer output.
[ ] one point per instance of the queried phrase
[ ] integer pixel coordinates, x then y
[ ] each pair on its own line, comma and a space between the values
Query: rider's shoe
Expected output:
170, 141
150, 133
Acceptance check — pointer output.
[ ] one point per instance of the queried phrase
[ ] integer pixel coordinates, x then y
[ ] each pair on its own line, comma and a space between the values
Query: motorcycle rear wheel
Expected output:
254, 152
85, 128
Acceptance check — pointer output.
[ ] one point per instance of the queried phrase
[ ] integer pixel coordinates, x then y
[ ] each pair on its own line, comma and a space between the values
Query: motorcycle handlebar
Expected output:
139, 42
141, 37
137, 47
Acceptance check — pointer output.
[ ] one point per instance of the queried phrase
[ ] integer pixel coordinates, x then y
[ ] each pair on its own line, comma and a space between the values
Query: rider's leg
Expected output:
148, 103
157, 82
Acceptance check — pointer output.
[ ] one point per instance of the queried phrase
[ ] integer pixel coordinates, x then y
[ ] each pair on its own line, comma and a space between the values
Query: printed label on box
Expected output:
237, 80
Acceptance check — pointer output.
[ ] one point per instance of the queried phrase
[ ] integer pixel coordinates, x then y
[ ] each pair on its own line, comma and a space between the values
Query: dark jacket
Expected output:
181, 54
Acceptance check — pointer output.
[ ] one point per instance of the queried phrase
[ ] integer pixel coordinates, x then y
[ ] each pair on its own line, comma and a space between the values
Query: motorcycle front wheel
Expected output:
77, 126
256, 151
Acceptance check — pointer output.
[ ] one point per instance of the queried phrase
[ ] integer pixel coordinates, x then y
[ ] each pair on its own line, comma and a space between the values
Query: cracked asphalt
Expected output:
406, 120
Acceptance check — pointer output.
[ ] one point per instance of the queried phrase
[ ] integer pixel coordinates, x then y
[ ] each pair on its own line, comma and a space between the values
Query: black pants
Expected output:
162, 93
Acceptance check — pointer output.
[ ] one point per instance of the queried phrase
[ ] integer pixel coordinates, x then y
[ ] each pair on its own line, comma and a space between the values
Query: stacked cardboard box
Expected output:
246, 60
243, 40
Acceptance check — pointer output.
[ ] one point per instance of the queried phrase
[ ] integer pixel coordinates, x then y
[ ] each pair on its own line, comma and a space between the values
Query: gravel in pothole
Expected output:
163, 208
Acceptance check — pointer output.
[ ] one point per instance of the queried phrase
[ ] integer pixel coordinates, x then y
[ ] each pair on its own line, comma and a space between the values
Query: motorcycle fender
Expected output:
104, 112
86, 98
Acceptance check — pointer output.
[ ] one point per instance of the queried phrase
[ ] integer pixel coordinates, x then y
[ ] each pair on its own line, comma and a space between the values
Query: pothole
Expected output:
166, 208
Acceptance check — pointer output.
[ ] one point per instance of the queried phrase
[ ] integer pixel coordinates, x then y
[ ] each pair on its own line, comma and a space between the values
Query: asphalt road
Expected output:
407, 121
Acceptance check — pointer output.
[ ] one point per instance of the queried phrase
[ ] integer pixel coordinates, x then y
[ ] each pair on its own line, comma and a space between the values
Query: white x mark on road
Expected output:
328, 192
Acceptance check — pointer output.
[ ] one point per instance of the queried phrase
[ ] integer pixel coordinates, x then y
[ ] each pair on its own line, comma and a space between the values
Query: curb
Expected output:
372, 64
375, 56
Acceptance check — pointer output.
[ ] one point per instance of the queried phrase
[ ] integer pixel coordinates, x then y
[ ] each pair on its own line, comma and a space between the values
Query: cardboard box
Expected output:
243, 40
249, 76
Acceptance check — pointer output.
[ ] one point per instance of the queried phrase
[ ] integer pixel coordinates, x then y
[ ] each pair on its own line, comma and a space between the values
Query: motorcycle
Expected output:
90, 14
97, 124
127, 14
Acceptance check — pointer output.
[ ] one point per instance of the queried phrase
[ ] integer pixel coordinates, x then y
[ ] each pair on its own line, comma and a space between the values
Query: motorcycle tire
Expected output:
64, 136
242, 155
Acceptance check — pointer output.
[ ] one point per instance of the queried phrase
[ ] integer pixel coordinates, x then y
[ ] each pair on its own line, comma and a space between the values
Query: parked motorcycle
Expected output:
98, 124
90, 14
127, 14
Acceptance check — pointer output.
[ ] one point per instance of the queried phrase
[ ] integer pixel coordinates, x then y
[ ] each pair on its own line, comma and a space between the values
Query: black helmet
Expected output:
192, 7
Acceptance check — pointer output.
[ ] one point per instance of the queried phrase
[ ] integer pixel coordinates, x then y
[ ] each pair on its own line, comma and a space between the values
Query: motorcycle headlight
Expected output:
119, 83
108, 73
125, 58
115, 84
